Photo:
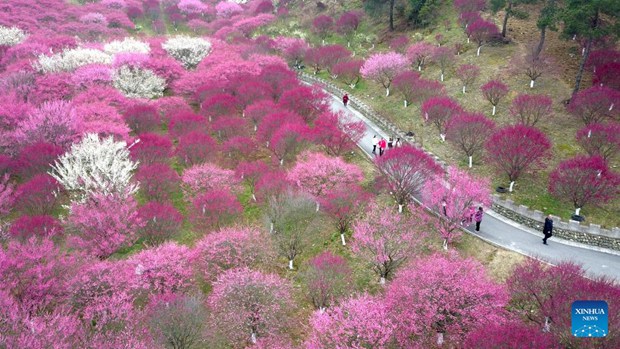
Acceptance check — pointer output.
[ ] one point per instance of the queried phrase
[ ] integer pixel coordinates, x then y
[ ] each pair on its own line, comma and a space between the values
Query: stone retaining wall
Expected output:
572, 230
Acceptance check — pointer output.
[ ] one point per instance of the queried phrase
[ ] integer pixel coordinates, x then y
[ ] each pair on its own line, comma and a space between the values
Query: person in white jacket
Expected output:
375, 141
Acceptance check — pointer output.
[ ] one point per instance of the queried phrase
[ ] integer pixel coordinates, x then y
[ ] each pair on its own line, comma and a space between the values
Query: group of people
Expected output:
384, 144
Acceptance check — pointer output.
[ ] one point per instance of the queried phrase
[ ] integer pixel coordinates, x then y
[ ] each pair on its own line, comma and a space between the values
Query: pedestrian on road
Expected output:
382, 146
390, 143
548, 229
375, 141
345, 99
478, 217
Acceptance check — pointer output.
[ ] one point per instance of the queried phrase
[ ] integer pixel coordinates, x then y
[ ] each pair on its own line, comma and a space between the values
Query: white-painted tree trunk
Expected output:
281, 162
254, 197
387, 92
321, 310
547, 325
512, 185
405, 103
531, 83
344, 243
255, 127
471, 161
478, 52
352, 85
348, 44
468, 40
463, 89
493, 110
318, 206
270, 227
290, 264
443, 137
382, 281
323, 42
589, 133
253, 338
442, 77
420, 67
577, 210
439, 339
400, 208
611, 107
445, 244
583, 51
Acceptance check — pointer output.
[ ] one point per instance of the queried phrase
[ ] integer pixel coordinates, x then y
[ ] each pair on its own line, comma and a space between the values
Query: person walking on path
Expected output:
390, 143
478, 217
382, 145
548, 229
345, 99
375, 141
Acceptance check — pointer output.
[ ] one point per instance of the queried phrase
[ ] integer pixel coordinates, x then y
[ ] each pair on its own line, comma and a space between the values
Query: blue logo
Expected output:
590, 319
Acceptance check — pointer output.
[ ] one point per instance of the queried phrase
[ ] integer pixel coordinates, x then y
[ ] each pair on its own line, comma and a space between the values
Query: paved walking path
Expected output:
508, 234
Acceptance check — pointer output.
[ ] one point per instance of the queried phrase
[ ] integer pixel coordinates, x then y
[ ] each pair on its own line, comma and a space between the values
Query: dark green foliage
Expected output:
423, 13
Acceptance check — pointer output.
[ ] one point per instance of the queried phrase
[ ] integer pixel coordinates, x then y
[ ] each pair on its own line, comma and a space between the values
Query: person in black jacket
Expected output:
548, 229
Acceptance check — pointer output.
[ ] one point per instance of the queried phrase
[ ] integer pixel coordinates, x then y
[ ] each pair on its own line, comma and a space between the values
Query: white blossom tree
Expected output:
11, 36
96, 165
70, 60
127, 45
136, 82
187, 50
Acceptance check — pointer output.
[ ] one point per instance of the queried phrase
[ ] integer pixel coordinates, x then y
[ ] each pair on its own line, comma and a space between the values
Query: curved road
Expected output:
508, 234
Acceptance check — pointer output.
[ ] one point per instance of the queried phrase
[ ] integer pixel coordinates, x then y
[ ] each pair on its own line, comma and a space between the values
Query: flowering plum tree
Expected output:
288, 139
383, 67
11, 36
36, 159
509, 335
227, 9
96, 166
6, 195
54, 122
151, 148
494, 91
337, 133
249, 305
406, 169
229, 248
406, 84
161, 221
327, 278
468, 74
469, 132
444, 57
419, 52
103, 223
26, 227
343, 205
439, 111
38, 196
191, 7
481, 31
185, 122
142, 118
214, 209
308, 102
157, 181
595, 104
454, 198
135, 82
220, 105
517, 149
399, 43
70, 60
347, 25
529, 109
195, 148
322, 25
361, 322
385, 241
348, 71
187, 50
600, 139
584, 180
451, 292
177, 320
205, 177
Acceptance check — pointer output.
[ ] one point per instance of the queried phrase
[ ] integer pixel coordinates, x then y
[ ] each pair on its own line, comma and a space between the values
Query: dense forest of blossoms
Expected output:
132, 164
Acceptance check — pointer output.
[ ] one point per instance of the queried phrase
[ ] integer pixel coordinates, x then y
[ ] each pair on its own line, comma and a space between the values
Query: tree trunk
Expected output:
443, 137
577, 210
445, 244
493, 110
439, 339
271, 228
470, 161
531, 83
392, 15
253, 338
290, 264
463, 89
318, 206
400, 208
441, 77
541, 42
254, 197
478, 52
281, 162
505, 25
405, 103
344, 243
512, 185
382, 281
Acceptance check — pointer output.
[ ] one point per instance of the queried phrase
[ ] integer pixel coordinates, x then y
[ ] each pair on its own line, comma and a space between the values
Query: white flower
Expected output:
11, 36
136, 82
128, 45
96, 166
187, 50
70, 60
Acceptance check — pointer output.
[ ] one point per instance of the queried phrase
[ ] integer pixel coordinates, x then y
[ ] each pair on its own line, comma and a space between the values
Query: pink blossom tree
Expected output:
454, 198
584, 180
184, 122
158, 182
26, 227
38, 196
347, 25
469, 5
151, 148
468, 74
509, 335
322, 25
308, 102
424, 89
600, 139
142, 118
595, 104
327, 279
348, 71
343, 205
161, 221
530, 109
419, 52
468, 132
361, 322
481, 31
399, 43
36, 158
493, 91
229, 248
288, 139
195, 148
384, 241
162, 269
450, 292
6, 194
250, 173
213, 209
608, 75
326, 57
406, 84
177, 320
406, 169
338, 133
383, 67
439, 111
444, 57
317, 174
248, 305
54, 122
103, 224
516, 149
205, 177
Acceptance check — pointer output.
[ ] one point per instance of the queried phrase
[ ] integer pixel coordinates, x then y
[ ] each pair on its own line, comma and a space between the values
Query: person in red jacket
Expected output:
345, 99
382, 146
